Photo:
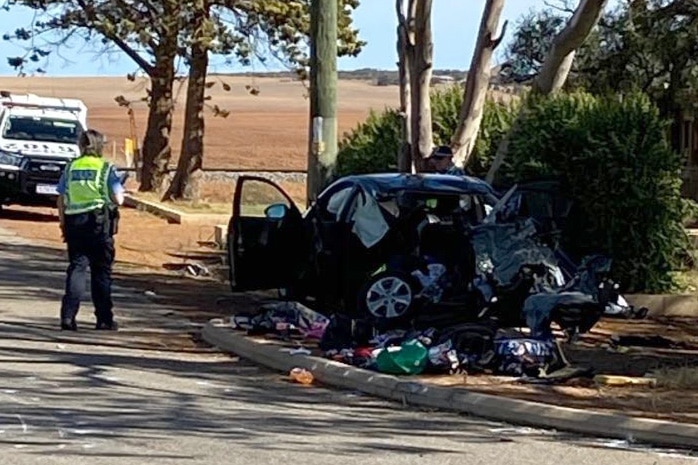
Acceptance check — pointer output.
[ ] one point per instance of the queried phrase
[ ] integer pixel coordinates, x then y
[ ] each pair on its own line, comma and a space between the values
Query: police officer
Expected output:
90, 191
441, 161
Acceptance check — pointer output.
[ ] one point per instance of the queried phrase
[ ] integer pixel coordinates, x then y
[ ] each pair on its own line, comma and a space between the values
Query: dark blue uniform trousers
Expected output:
89, 244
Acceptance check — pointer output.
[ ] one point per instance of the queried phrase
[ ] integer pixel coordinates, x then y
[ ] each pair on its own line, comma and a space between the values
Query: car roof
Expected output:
43, 113
384, 183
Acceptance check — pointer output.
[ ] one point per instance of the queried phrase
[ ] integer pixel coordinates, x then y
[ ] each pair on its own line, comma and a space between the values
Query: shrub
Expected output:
373, 145
625, 180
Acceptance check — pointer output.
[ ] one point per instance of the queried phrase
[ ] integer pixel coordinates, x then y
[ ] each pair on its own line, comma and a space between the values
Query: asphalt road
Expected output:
126, 398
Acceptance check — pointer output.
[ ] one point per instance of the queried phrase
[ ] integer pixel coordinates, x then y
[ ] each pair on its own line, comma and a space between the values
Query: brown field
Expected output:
267, 131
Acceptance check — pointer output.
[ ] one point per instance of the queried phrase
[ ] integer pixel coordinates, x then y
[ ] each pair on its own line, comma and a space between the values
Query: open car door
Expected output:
266, 237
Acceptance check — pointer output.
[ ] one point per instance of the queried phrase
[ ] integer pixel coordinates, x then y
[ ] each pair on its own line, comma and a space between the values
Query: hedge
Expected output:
373, 145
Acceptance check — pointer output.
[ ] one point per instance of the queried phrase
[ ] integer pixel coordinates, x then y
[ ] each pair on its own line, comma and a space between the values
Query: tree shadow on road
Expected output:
43, 270
227, 399
28, 216
158, 328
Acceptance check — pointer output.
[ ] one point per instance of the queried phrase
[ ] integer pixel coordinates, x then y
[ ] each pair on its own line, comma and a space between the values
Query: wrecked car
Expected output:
357, 225
397, 248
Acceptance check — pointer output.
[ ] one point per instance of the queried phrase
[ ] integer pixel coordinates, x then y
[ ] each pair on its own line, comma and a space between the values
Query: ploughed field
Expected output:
268, 131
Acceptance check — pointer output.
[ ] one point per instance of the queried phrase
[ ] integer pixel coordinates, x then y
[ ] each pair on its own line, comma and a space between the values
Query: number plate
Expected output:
47, 189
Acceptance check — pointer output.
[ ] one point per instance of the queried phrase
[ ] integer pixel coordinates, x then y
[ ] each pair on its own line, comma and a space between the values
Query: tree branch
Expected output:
559, 60
477, 83
495, 43
128, 50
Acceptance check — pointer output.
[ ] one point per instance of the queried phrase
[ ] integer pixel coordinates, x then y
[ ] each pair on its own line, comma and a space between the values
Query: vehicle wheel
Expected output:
388, 295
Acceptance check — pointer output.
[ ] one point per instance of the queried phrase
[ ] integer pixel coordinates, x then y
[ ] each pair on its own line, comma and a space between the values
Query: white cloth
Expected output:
369, 224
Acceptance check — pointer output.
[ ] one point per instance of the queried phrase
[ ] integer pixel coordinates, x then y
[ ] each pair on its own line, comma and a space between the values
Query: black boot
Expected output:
68, 324
107, 326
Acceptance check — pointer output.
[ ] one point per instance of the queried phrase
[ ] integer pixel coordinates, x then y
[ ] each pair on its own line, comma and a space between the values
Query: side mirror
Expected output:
276, 211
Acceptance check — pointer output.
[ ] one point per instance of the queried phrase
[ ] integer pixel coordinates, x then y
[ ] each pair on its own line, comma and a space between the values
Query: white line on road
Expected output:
24, 425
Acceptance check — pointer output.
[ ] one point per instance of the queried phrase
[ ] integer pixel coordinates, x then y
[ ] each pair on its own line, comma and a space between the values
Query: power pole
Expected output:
322, 154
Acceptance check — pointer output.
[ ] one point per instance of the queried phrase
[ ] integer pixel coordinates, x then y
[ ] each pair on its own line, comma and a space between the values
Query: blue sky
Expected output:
455, 24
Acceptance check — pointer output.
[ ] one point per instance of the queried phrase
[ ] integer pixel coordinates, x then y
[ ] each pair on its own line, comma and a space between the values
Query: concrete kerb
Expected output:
220, 235
411, 392
173, 215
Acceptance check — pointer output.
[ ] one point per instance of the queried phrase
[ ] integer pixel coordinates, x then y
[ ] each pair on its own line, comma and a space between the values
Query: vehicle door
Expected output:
329, 238
267, 243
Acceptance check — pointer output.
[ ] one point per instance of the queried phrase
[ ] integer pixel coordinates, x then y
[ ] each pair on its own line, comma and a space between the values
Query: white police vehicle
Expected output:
38, 137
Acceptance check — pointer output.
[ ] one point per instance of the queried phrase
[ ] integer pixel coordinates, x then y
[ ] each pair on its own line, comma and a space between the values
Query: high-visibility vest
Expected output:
86, 184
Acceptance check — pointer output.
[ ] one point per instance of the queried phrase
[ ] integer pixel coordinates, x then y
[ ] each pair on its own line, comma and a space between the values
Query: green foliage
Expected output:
374, 144
497, 120
647, 45
690, 212
242, 31
531, 42
613, 157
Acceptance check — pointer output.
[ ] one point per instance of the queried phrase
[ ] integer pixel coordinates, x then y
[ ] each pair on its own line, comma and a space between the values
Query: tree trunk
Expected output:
558, 62
184, 185
556, 66
477, 83
156, 145
421, 61
404, 156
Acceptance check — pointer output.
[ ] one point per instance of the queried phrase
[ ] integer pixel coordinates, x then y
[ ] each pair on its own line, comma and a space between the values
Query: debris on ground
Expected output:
288, 319
301, 376
186, 268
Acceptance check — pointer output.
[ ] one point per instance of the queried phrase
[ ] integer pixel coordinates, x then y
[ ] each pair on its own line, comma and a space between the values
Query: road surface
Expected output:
128, 398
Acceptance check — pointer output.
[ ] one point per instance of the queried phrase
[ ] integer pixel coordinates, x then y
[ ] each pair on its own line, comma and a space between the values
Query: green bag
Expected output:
410, 358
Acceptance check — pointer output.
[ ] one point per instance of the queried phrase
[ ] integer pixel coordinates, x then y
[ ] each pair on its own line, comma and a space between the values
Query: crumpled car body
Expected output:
356, 225
515, 271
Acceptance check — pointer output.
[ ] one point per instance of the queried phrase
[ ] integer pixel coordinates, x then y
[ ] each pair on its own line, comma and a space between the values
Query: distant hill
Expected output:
364, 74
381, 77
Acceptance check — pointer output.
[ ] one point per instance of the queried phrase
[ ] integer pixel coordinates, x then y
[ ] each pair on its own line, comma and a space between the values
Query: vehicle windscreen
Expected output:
40, 129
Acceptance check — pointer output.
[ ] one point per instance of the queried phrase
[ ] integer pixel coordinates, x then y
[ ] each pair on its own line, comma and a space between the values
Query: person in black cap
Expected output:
441, 161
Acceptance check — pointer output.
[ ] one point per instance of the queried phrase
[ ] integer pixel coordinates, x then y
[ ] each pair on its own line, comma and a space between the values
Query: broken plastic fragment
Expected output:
301, 376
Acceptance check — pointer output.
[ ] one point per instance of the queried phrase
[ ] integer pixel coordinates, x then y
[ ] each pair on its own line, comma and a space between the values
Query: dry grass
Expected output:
677, 378
202, 206
268, 131
216, 197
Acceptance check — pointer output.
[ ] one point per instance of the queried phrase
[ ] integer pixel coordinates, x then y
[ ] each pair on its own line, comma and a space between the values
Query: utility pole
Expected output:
322, 154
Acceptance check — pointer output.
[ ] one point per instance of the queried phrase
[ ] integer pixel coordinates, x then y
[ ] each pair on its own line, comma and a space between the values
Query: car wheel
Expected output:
388, 295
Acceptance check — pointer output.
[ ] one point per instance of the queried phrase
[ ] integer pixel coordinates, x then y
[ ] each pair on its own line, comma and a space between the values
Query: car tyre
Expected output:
389, 296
